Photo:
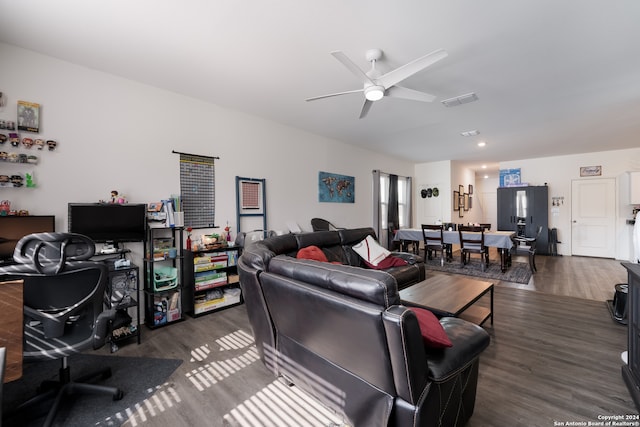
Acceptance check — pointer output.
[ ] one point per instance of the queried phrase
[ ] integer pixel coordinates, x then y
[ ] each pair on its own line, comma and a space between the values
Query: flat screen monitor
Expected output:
109, 222
14, 228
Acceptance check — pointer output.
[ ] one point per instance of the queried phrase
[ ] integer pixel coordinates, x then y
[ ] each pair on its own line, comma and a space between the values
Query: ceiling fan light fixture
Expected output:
374, 93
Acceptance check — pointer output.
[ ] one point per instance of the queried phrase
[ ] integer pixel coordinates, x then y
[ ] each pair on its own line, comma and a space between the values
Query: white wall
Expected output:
431, 209
116, 134
447, 176
559, 171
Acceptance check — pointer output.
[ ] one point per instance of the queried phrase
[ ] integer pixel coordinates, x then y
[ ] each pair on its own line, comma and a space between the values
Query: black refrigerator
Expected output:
523, 209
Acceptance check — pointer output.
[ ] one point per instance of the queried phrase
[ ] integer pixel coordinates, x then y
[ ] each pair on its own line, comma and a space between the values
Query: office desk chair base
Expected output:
62, 388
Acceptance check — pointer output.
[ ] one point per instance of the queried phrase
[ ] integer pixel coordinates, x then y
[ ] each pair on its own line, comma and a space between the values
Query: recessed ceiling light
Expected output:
481, 144
484, 166
486, 177
470, 133
459, 100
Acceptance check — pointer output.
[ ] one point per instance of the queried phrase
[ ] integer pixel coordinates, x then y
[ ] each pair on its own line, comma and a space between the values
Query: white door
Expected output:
490, 209
593, 217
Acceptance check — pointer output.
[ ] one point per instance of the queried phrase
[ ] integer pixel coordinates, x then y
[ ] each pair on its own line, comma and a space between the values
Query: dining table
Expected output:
502, 240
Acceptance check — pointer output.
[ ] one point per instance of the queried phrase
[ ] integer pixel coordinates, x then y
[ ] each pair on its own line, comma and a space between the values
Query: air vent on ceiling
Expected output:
459, 100
470, 133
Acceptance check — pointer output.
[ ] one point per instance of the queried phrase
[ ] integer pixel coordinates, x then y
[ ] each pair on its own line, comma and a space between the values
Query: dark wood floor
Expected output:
554, 357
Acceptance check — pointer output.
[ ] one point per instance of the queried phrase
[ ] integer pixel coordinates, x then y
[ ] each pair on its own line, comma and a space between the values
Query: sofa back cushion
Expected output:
372, 286
327, 241
258, 255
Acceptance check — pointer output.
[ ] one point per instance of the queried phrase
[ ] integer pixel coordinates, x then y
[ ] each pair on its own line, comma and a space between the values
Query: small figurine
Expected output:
227, 231
114, 196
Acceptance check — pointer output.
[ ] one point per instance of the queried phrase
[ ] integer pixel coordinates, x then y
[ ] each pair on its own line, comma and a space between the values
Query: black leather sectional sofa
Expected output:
340, 332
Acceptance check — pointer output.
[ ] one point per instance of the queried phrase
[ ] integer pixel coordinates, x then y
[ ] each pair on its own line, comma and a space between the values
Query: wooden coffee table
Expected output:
452, 296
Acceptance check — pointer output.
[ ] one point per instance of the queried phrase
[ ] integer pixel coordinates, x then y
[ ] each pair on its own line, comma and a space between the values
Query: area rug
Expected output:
519, 272
138, 377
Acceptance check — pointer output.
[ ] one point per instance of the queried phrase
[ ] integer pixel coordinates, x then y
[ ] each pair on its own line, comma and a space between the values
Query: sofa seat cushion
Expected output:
388, 262
433, 334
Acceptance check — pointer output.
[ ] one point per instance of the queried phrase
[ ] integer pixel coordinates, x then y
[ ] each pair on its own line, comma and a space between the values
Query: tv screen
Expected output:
14, 228
107, 222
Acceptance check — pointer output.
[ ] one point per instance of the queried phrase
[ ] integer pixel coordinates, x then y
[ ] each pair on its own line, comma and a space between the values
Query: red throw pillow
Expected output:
433, 334
312, 252
390, 261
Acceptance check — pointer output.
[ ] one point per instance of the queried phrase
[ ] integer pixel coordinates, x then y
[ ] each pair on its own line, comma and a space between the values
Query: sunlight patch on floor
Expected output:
280, 405
161, 399
209, 374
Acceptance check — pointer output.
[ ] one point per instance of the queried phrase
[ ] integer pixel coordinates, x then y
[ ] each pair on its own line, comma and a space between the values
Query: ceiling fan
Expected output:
377, 85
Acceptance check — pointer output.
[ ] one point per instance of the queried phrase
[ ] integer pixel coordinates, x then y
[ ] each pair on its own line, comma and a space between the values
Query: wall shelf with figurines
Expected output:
21, 149
17, 180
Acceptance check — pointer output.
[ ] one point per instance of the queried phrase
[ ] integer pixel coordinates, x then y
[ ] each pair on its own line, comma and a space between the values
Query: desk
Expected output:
11, 311
495, 239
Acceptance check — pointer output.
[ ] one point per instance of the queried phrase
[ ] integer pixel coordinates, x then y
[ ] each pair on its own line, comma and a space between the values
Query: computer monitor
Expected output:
109, 222
13, 228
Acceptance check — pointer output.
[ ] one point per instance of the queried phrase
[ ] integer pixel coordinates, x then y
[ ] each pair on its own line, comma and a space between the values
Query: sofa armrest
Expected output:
468, 339
407, 352
407, 256
415, 366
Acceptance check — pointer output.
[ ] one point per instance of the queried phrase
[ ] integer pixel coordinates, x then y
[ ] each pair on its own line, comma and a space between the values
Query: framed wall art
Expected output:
336, 188
456, 200
591, 171
28, 116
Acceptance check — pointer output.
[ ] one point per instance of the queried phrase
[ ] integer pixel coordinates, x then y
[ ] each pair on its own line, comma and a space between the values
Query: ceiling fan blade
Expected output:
365, 108
340, 56
334, 94
399, 74
406, 93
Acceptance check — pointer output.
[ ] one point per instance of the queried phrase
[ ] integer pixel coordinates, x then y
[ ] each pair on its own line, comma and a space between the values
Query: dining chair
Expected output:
528, 245
472, 242
433, 237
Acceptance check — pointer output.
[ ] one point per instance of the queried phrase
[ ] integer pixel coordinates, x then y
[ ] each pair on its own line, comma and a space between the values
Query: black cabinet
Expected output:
211, 280
163, 276
631, 371
523, 210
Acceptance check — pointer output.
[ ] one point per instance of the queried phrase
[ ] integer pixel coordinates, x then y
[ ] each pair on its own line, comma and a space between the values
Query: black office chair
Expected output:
528, 245
434, 242
472, 242
319, 224
63, 310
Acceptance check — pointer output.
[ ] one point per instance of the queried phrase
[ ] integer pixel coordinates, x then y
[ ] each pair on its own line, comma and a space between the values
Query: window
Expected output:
381, 195
404, 201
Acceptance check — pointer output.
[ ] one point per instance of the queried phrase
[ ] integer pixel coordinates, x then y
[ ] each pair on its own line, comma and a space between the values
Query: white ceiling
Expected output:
553, 77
